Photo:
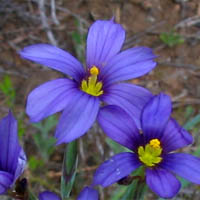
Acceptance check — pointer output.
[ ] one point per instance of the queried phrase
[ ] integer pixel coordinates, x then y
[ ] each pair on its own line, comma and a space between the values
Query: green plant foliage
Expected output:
31, 196
119, 192
8, 90
189, 112
34, 163
79, 39
21, 126
69, 169
138, 188
45, 142
117, 148
171, 38
192, 123
135, 191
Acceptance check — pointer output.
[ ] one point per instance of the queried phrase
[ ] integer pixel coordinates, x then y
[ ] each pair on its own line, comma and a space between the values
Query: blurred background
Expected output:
170, 27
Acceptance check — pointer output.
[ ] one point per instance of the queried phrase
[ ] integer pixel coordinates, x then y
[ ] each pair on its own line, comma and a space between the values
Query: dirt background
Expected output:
25, 22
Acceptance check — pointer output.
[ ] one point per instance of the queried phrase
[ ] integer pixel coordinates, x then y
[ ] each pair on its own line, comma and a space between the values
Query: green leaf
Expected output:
50, 123
117, 148
69, 169
119, 192
171, 39
130, 191
79, 38
46, 145
192, 123
31, 196
21, 128
42, 139
34, 163
189, 112
138, 188
47, 125
8, 90
184, 183
197, 151
136, 191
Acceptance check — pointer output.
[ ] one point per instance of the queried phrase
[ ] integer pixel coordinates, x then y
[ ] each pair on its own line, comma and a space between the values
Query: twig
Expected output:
9, 72
187, 101
74, 15
53, 12
53, 174
81, 150
68, 11
191, 21
99, 145
129, 42
179, 96
181, 65
41, 4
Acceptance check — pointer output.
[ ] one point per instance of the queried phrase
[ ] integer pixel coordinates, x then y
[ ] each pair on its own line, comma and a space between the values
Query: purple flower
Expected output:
151, 148
88, 193
12, 159
46, 195
81, 95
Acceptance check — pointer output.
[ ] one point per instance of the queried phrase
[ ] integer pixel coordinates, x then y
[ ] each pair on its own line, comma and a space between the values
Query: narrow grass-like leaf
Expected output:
189, 112
117, 148
31, 196
118, 193
130, 191
69, 168
192, 123
138, 187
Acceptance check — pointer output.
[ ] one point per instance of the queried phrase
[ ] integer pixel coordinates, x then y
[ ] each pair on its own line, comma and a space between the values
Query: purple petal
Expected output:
184, 165
88, 193
9, 144
129, 64
105, 39
129, 97
21, 164
116, 168
175, 137
119, 126
54, 58
162, 182
48, 196
49, 98
155, 116
77, 118
6, 180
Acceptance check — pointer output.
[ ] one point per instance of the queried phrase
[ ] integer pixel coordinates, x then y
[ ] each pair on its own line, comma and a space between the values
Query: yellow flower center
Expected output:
150, 154
94, 70
92, 86
155, 143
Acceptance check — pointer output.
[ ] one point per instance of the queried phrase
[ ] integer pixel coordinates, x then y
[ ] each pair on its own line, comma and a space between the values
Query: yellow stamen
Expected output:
155, 143
92, 86
94, 71
150, 154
